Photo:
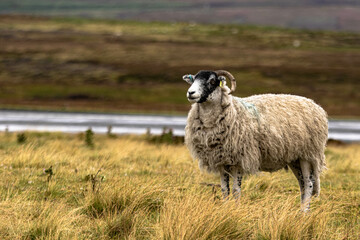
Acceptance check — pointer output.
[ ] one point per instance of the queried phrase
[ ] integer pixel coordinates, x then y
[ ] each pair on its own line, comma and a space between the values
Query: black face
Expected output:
209, 81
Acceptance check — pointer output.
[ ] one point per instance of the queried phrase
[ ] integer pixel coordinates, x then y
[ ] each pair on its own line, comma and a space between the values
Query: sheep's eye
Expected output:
212, 81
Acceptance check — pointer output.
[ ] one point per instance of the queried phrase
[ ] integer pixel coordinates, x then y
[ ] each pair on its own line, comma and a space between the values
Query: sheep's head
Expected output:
205, 84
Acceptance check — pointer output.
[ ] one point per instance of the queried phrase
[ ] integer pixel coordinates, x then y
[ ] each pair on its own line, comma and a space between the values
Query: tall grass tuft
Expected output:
89, 138
21, 138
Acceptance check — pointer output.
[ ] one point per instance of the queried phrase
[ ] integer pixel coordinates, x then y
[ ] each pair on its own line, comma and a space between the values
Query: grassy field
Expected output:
54, 186
98, 65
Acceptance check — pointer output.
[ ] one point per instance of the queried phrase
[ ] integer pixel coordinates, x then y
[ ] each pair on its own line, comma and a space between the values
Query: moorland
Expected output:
72, 64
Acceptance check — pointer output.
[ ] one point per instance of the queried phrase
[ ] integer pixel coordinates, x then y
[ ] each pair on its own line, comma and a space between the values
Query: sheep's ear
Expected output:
189, 78
222, 78
222, 81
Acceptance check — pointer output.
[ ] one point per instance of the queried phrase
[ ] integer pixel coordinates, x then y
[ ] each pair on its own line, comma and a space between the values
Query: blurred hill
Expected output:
107, 65
342, 15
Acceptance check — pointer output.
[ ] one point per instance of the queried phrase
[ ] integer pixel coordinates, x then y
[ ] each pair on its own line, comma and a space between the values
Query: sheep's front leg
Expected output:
237, 177
224, 176
308, 184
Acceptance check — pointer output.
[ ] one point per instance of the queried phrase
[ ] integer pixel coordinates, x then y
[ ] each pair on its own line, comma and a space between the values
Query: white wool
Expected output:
257, 133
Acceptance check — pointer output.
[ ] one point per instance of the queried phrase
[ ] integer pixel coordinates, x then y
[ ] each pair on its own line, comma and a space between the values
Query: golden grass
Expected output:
148, 191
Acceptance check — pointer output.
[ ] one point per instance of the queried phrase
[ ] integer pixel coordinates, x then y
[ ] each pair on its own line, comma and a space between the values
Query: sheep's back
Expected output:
290, 127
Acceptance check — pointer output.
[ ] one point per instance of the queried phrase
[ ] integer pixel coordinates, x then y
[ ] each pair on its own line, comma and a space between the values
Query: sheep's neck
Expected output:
208, 113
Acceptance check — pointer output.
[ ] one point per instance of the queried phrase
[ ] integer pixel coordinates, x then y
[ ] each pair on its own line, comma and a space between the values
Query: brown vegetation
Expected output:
72, 64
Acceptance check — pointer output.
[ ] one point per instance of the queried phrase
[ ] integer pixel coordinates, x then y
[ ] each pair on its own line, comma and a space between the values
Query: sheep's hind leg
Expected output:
315, 178
225, 177
237, 177
308, 184
296, 169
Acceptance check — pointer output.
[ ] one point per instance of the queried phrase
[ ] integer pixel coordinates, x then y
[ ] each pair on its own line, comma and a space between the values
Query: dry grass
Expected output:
148, 191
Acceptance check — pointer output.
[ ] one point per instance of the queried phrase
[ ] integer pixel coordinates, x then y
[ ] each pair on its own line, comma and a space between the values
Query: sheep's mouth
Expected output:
193, 99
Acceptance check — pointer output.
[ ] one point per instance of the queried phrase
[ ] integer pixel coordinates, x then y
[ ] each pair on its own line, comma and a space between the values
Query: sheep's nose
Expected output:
191, 92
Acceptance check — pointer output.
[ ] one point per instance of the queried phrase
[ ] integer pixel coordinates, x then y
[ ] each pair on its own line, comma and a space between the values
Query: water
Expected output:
344, 130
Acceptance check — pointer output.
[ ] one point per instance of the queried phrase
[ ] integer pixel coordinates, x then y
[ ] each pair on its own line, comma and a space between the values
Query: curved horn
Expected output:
228, 75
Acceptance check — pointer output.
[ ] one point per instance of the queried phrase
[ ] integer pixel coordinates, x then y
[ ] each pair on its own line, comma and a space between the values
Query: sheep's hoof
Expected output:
305, 207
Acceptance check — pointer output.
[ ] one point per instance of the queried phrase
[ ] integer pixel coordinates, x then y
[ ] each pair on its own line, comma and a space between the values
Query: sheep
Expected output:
240, 136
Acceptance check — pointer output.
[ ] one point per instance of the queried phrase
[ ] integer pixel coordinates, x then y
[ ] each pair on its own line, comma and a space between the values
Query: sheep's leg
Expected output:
308, 184
316, 183
237, 177
296, 169
224, 175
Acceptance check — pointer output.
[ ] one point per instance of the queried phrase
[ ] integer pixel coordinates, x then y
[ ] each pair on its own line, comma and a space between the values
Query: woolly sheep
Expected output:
238, 136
